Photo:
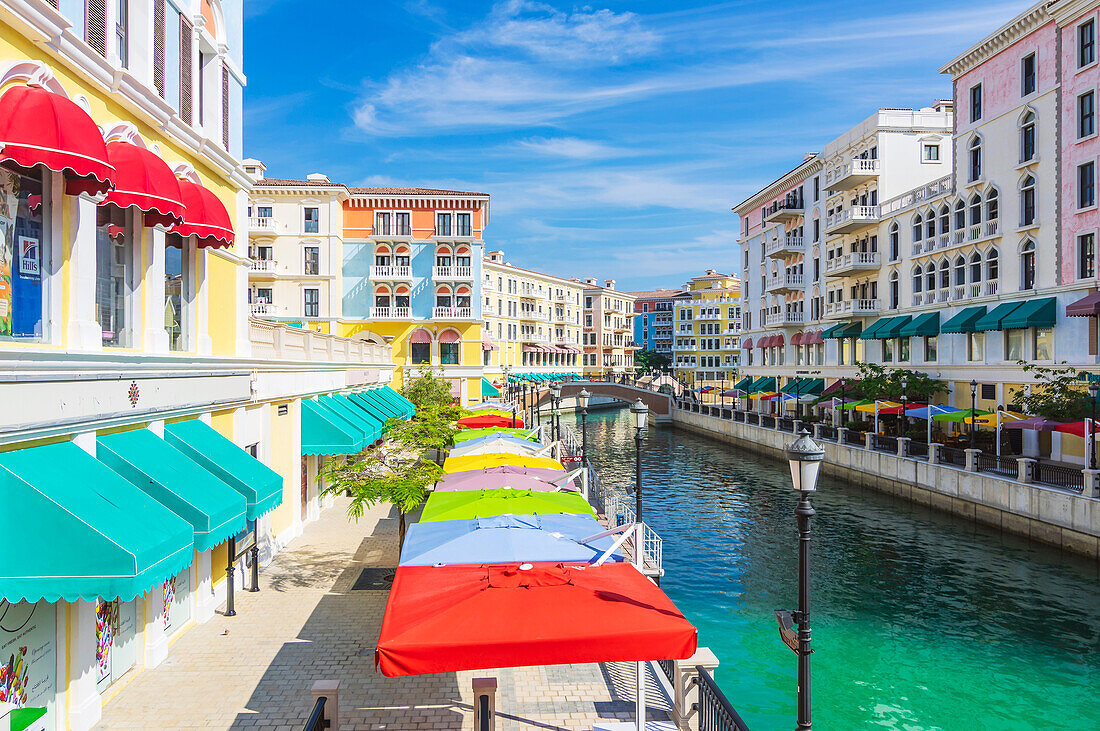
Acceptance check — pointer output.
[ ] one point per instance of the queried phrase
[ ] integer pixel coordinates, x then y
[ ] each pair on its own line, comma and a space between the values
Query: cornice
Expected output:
1069, 10
998, 40
799, 175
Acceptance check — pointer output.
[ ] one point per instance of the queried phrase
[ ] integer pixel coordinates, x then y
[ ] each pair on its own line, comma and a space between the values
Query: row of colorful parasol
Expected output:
507, 559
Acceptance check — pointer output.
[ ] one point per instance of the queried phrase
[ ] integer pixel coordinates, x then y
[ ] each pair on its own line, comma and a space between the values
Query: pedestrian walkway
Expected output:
308, 623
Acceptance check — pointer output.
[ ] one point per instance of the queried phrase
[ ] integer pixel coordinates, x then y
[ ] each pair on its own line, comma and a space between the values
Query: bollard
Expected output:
903, 446
868, 440
797, 426
934, 456
1092, 483
972, 459
485, 704
1025, 470
685, 691
330, 689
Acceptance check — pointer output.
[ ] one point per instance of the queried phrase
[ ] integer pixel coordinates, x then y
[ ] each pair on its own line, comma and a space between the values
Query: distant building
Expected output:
608, 329
707, 327
653, 320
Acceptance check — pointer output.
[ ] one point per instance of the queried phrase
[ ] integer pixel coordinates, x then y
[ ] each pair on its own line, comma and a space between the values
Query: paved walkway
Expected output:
255, 670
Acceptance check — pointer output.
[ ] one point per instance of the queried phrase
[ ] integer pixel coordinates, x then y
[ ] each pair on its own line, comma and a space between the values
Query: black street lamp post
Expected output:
805, 457
582, 401
555, 420
902, 430
973, 406
640, 412
1093, 388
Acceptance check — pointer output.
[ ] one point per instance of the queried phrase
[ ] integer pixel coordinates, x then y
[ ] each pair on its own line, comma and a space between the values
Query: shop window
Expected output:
114, 276
116, 650
177, 291
903, 350
887, 351
22, 256
177, 604
930, 353
1014, 344
449, 353
975, 347
1043, 344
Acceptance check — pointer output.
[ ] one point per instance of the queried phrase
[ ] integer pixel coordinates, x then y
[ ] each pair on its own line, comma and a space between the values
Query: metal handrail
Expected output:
715, 711
317, 720
1065, 477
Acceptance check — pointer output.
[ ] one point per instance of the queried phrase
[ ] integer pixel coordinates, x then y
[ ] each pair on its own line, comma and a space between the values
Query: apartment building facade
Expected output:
532, 321
707, 327
608, 337
653, 320
127, 355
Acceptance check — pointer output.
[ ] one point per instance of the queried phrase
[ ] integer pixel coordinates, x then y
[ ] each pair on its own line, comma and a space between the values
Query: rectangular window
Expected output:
1086, 114
22, 255
975, 347
817, 189
442, 224
887, 351
449, 353
1044, 343
312, 260
1027, 75
1086, 256
420, 353
311, 303
462, 225
263, 211
382, 224
312, 220
114, 276
975, 103
122, 29
1014, 344
931, 152
1086, 43
903, 350
177, 293
1086, 185
402, 225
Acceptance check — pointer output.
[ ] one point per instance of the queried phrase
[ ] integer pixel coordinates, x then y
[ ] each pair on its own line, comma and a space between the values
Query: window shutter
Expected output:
158, 46
53, 3
186, 71
95, 25
225, 107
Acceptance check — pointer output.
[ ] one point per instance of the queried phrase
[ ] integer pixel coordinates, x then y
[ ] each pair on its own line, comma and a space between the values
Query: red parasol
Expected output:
486, 420
1078, 428
441, 619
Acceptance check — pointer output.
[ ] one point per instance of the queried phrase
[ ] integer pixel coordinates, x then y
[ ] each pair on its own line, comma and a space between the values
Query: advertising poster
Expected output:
115, 634
9, 201
28, 662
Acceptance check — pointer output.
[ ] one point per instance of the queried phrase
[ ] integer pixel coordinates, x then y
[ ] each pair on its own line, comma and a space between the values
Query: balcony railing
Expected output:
785, 318
959, 237
785, 245
262, 266
390, 313
262, 309
859, 261
851, 174
390, 272
532, 316
784, 211
784, 283
392, 230
452, 273
852, 308
528, 291
452, 313
852, 219
261, 224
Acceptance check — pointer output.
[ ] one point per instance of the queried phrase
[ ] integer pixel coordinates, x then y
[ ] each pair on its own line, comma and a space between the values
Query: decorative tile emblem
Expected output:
134, 394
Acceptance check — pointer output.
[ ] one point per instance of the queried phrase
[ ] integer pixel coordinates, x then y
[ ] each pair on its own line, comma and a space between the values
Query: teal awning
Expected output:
871, 333
1041, 312
831, 331
993, 319
926, 325
743, 383
385, 404
372, 406
326, 432
811, 386
792, 386
75, 529
358, 418
214, 509
261, 486
488, 390
405, 408
850, 330
963, 322
764, 383
373, 423
893, 327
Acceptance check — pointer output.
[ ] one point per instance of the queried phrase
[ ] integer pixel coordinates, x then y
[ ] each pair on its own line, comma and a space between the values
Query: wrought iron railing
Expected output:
918, 449
828, 433
884, 443
715, 711
1067, 478
953, 456
1007, 466
317, 720
854, 437
786, 424
768, 422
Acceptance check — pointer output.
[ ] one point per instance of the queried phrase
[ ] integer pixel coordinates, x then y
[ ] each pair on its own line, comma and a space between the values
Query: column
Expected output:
151, 243
84, 331
903, 446
156, 641
85, 705
204, 344
205, 603
244, 342
685, 692
972, 459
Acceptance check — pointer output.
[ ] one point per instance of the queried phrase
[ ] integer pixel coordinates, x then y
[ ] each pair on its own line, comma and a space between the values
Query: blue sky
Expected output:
613, 137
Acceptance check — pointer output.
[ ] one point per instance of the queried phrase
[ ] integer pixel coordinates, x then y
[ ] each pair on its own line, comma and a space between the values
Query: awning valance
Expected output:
747, 345
1041, 312
214, 509
743, 384
1088, 306
38, 127
486, 345
833, 332
81, 531
849, 330
205, 216
261, 486
994, 319
964, 321
144, 181
926, 325
796, 339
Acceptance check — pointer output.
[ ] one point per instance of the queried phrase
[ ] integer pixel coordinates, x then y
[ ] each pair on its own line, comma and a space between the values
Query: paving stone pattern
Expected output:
254, 671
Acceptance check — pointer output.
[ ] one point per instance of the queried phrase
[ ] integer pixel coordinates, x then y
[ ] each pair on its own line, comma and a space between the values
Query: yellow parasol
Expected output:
497, 459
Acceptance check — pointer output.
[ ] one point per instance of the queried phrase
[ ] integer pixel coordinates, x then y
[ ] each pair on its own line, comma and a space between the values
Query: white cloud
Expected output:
572, 148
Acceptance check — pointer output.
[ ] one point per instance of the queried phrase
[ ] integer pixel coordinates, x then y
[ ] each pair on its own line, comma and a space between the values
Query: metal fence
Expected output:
884, 443
918, 449
1007, 466
768, 422
828, 433
953, 456
716, 713
619, 509
853, 437
1067, 478
317, 720
786, 424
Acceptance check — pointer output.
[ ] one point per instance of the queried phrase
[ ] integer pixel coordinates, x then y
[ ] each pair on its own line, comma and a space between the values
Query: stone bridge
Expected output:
660, 404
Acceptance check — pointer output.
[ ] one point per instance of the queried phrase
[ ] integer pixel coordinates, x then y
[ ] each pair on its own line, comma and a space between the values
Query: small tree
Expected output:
649, 360
428, 389
879, 383
1059, 394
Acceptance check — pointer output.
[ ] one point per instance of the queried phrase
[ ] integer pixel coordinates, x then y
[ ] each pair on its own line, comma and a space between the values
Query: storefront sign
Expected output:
28, 658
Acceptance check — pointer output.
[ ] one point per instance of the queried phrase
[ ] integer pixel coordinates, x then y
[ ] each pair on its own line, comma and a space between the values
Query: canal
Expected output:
920, 620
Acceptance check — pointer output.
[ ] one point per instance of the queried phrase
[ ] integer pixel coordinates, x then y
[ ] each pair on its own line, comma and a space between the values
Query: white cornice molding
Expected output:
1070, 10
998, 40
799, 175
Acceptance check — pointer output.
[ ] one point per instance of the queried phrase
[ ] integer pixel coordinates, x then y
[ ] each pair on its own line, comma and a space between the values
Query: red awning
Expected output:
449, 618
488, 420
796, 339
747, 344
488, 346
850, 388
814, 338
767, 342
1079, 428
38, 127
778, 339
1088, 306
531, 349
205, 216
146, 182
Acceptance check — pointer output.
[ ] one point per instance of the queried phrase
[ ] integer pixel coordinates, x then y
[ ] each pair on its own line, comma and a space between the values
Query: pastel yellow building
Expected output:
706, 328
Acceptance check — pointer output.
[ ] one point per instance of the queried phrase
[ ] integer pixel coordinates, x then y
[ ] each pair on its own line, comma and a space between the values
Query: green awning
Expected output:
992, 320
926, 325
871, 332
832, 331
75, 529
214, 509
326, 432
893, 328
406, 407
850, 330
488, 390
358, 418
812, 386
743, 383
373, 405
792, 386
374, 422
261, 486
963, 322
1041, 312
383, 402
764, 383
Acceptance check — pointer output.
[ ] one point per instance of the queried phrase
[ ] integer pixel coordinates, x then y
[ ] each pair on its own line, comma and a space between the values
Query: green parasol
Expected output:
468, 504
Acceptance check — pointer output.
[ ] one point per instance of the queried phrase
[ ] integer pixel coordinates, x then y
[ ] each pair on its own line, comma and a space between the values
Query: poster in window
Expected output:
28, 658
28, 257
9, 201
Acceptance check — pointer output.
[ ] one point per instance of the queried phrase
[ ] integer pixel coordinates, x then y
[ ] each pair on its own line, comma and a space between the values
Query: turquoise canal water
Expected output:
920, 621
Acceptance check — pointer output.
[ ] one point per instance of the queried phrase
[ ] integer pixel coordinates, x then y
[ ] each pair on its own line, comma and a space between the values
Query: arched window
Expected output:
975, 209
918, 228
401, 256
1027, 265
992, 208
945, 275
930, 225
382, 298
443, 256
443, 296
918, 279
895, 291
992, 265
450, 347
895, 244
1027, 137
382, 256
975, 159
960, 216
930, 277
945, 219
1027, 201
420, 346
402, 298
463, 297
960, 271
976, 267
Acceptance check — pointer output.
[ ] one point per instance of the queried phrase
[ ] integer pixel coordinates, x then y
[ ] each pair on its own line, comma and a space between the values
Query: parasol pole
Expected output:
929, 428
639, 711
998, 432
876, 416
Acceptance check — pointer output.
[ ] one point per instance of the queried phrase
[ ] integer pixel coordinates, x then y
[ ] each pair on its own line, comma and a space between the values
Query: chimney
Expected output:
496, 256
609, 283
944, 105
253, 168
591, 281
318, 178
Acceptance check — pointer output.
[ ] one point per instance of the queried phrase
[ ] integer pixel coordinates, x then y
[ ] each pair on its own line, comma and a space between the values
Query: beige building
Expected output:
532, 321
608, 329
295, 247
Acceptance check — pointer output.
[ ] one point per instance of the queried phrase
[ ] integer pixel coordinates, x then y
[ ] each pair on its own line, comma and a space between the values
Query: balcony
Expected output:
528, 292
261, 225
852, 308
390, 273
855, 172
852, 219
262, 266
782, 212
391, 313
562, 317
862, 261
785, 283
532, 316
564, 297
780, 319
452, 273
452, 313
391, 232
785, 246
971, 234
262, 309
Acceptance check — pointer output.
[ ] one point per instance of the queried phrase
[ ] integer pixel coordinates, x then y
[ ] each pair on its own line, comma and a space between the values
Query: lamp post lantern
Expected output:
973, 407
582, 401
640, 412
1093, 388
805, 457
